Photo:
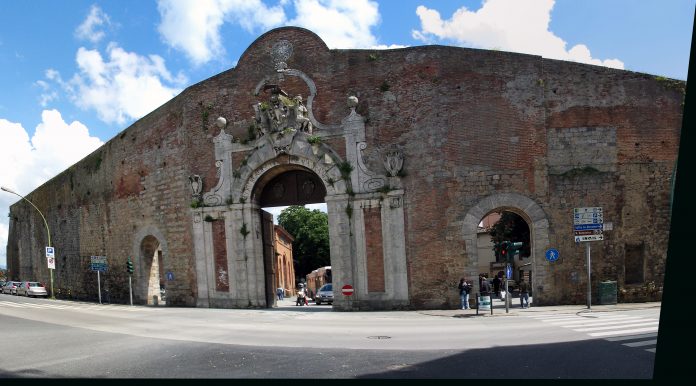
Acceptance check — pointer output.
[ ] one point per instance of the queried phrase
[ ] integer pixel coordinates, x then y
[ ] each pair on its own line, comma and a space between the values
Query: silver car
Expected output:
324, 295
31, 288
10, 288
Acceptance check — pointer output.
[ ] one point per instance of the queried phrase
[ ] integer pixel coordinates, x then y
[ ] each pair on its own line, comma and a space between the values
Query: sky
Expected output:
75, 73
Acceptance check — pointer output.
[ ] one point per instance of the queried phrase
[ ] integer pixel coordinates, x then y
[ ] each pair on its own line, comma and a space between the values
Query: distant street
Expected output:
76, 339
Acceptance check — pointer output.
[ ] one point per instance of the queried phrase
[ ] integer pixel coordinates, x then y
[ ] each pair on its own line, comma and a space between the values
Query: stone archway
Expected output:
538, 223
150, 251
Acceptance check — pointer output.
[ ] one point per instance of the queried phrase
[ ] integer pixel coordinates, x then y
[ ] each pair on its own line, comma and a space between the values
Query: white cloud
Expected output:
29, 162
341, 24
88, 30
194, 26
122, 87
518, 26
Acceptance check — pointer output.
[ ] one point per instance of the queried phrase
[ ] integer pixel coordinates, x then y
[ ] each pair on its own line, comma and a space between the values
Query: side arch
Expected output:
141, 274
538, 223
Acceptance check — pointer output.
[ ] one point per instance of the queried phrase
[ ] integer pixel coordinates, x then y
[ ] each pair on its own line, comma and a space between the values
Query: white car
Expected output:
31, 288
10, 287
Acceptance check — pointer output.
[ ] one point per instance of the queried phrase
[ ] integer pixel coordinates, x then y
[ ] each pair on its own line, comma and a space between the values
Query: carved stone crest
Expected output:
280, 53
393, 162
196, 185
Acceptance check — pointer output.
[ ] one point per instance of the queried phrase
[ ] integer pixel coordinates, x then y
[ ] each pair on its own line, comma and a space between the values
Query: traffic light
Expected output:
504, 250
129, 266
514, 248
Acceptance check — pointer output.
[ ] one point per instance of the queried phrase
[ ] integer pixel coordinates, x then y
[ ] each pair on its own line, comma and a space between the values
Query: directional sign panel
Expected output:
588, 224
98, 263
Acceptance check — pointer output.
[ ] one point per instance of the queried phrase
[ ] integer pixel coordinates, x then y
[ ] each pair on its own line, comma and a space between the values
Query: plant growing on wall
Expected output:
314, 139
196, 204
345, 168
244, 231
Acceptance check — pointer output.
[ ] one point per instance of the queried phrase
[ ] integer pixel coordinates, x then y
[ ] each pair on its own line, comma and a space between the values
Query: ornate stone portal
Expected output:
364, 206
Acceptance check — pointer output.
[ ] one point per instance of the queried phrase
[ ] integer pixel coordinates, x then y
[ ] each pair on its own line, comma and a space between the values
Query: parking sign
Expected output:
50, 252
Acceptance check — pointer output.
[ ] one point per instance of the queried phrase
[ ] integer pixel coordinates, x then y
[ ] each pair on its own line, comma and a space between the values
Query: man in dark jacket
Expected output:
524, 293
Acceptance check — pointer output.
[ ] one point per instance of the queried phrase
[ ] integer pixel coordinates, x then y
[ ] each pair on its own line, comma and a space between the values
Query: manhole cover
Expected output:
379, 337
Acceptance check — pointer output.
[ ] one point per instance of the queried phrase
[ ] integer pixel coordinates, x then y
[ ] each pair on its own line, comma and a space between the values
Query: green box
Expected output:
607, 292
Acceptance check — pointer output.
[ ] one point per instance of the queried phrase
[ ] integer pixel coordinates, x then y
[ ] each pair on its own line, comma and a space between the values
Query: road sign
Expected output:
588, 224
508, 271
51, 262
552, 255
347, 290
98, 263
50, 252
170, 275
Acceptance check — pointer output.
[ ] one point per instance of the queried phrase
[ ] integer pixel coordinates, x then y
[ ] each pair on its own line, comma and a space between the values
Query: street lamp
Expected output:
8, 190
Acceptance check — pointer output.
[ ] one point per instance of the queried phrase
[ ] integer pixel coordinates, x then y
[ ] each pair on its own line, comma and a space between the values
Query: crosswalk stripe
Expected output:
615, 327
631, 337
643, 343
623, 332
604, 323
585, 319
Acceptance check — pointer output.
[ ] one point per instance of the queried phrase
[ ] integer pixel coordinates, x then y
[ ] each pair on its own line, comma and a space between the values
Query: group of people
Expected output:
485, 289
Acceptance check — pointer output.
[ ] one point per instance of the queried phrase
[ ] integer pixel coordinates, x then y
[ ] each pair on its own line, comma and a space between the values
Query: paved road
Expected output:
71, 339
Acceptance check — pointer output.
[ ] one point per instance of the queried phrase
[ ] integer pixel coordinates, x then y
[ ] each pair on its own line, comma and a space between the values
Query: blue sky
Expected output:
73, 74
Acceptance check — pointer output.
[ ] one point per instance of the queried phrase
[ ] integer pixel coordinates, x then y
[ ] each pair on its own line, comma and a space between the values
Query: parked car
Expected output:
2, 283
10, 288
324, 295
31, 288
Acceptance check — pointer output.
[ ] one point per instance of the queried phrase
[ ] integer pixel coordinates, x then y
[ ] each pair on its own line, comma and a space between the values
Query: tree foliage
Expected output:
511, 227
310, 228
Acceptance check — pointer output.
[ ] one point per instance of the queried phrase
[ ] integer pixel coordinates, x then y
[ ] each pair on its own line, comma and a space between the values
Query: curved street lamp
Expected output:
48, 231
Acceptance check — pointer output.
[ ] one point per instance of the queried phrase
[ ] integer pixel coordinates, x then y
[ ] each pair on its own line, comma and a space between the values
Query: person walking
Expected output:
485, 286
281, 293
524, 293
496, 285
464, 289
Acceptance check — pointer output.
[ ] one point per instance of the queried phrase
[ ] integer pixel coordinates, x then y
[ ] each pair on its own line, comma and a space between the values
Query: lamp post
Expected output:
48, 231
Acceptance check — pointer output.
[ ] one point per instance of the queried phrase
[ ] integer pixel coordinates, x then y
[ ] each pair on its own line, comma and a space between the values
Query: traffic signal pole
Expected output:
130, 289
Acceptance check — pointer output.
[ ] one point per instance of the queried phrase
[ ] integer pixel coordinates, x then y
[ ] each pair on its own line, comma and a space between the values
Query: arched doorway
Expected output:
152, 275
537, 221
283, 185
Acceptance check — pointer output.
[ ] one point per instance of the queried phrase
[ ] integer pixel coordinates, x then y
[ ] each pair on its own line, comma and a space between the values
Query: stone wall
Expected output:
471, 124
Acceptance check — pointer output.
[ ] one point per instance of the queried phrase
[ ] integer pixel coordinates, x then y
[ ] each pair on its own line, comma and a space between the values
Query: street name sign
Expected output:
588, 224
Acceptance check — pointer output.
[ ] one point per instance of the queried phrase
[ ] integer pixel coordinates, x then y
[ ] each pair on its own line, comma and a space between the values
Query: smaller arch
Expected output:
521, 205
149, 242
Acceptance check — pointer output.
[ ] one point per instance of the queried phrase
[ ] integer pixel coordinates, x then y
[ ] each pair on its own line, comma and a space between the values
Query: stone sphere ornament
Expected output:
221, 122
352, 101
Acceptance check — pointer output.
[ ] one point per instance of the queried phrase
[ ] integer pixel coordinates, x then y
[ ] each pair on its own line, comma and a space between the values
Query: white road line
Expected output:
614, 327
651, 349
643, 336
580, 319
604, 323
624, 332
643, 343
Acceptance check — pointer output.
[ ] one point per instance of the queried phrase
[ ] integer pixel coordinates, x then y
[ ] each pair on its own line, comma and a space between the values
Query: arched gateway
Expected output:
284, 162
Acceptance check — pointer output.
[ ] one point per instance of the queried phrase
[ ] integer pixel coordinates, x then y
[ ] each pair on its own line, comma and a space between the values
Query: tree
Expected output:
310, 228
511, 227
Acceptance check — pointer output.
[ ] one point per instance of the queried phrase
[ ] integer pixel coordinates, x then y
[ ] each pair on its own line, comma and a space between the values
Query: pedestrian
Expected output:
485, 286
281, 293
496, 286
464, 289
524, 293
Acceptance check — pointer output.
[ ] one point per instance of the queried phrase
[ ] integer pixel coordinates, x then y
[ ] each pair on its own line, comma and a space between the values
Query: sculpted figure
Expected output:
302, 115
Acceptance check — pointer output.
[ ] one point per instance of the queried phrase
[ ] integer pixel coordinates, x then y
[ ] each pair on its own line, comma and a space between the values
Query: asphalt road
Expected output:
68, 339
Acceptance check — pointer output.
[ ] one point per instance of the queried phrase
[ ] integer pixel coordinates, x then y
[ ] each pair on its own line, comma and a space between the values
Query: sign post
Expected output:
588, 225
98, 263
51, 260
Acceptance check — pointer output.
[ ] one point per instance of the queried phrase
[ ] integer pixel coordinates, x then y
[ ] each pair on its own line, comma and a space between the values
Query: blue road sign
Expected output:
508, 271
584, 227
170, 276
552, 255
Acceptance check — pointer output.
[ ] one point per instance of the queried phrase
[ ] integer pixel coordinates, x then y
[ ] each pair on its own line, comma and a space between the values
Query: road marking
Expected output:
615, 327
612, 328
624, 332
642, 343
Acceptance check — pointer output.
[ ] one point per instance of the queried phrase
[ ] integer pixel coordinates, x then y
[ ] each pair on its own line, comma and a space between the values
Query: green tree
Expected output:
511, 227
310, 228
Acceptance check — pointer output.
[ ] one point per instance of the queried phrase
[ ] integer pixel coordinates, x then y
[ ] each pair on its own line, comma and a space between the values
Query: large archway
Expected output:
149, 276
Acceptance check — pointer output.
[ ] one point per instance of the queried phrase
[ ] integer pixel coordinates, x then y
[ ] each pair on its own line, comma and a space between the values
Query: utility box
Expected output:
607, 292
